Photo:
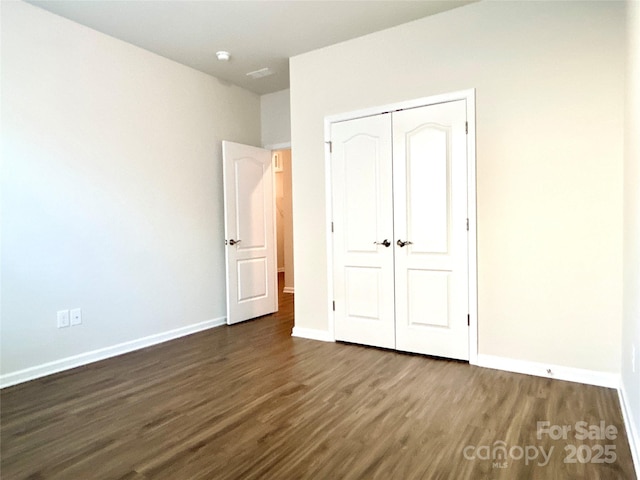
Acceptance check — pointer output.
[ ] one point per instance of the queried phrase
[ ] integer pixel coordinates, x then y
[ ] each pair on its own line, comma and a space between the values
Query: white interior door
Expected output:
362, 220
250, 236
430, 215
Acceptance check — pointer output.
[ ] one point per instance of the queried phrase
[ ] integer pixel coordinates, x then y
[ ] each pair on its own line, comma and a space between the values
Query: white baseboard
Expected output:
589, 377
312, 334
287, 290
630, 426
74, 361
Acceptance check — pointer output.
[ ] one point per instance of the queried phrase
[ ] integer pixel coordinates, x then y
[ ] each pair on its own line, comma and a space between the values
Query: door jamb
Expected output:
470, 97
272, 147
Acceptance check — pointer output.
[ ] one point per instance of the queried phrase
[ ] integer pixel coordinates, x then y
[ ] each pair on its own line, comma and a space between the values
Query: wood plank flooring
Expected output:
251, 402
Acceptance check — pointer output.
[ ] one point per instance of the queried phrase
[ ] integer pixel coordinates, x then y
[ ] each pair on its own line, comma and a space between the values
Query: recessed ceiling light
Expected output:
223, 56
263, 72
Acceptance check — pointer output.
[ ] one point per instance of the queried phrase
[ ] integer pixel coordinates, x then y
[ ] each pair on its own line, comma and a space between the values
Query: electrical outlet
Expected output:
63, 318
76, 316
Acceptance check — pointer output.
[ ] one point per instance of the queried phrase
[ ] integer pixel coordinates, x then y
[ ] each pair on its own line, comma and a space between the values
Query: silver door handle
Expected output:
385, 242
401, 244
234, 242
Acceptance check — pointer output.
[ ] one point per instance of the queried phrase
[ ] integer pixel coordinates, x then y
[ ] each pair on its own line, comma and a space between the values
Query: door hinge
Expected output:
331, 227
467, 224
334, 305
330, 146
468, 320
466, 127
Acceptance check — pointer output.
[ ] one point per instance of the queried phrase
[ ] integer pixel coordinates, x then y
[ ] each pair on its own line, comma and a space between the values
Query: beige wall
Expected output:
550, 95
284, 219
631, 318
287, 231
279, 220
111, 188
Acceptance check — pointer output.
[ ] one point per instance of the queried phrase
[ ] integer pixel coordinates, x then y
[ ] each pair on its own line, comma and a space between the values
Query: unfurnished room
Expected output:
319, 239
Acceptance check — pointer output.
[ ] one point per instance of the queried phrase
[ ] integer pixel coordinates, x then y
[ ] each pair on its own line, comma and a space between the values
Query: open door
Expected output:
250, 237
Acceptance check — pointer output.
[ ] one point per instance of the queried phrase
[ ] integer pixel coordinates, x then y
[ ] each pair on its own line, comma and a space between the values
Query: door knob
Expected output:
234, 242
401, 244
385, 242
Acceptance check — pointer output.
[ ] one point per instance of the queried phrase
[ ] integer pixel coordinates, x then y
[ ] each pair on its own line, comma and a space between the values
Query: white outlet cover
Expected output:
76, 316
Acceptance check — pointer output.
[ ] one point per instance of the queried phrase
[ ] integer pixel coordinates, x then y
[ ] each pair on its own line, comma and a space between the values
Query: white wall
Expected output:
550, 94
112, 188
631, 318
275, 114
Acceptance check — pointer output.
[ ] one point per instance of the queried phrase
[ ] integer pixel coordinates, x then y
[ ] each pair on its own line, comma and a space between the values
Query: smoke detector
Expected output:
223, 56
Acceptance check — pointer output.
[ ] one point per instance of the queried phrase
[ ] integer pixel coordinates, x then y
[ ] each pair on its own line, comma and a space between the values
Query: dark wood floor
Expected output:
251, 402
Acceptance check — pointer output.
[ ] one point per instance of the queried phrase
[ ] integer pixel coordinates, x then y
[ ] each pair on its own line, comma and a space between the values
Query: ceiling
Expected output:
258, 34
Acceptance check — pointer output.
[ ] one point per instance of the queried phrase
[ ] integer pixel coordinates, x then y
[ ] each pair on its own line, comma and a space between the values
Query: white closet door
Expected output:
430, 213
363, 215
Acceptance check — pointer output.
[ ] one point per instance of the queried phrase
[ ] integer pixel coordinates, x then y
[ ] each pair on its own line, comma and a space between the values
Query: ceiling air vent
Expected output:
263, 72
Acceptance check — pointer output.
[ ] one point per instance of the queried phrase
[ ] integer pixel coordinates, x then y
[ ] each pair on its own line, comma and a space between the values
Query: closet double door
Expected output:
400, 253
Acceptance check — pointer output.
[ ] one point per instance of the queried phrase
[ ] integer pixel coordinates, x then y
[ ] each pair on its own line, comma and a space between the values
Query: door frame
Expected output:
469, 96
273, 147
